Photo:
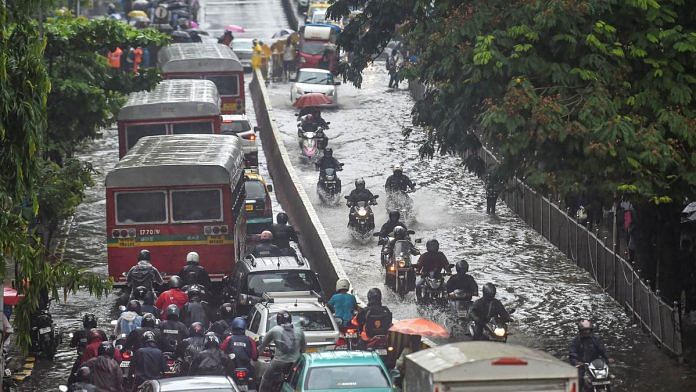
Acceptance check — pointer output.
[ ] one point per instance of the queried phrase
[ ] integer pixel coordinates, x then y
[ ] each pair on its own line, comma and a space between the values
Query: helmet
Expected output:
106, 348
342, 284
328, 152
175, 282
144, 255
83, 375
133, 306
149, 321
489, 290
226, 311
149, 336
432, 245
400, 233
238, 324
94, 335
283, 317
196, 329
192, 258
149, 298
89, 321
282, 218
394, 216
211, 340
374, 296
193, 291
462, 267
172, 310
111, 7
139, 292
585, 325
398, 169
360, 184
266, 235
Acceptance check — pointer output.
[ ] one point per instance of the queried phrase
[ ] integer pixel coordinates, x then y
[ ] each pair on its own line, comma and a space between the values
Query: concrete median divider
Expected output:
314, 241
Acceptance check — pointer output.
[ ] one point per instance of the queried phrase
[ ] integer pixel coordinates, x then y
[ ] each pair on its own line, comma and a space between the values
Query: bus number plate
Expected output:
217, 240
229, 107
126, 242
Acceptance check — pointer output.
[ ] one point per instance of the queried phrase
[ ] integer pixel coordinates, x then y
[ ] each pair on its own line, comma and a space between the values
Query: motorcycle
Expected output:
309, 146
361, 220
242, 376
126, 357
173, 365
329, 187
401, 202
495, 329
459, 304
597, 377
378, 344
44, 336
434, 290
400, 273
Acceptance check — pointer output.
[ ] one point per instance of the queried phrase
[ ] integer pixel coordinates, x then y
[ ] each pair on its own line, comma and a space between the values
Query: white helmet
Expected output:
398, 168
342, 284
192, 258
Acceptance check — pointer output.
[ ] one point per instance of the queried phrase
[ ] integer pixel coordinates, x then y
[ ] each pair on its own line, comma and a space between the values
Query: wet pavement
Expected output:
548, 291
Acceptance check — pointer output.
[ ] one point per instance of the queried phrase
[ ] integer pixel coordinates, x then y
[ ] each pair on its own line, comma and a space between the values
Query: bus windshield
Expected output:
313, 47
141, 207
196, 205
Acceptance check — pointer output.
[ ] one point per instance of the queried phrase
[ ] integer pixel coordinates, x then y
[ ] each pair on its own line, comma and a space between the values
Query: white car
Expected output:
240, 126
243, 48
314, 80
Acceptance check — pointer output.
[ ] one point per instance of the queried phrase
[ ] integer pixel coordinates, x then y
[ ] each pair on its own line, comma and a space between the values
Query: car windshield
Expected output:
281, 281
235, 127
313, 47
310, 320
346, 377
254, 190
314, 77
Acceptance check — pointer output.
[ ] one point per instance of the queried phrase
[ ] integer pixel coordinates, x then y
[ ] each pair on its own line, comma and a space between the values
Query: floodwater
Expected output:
549, 292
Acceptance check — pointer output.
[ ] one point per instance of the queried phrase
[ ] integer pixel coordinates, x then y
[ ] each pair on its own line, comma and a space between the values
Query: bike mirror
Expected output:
376, 196
346, 197
418, 240
328, 123
122, 308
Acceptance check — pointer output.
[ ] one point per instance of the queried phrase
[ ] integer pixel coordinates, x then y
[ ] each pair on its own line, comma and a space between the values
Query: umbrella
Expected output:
312, 99
235, 29
137, 14
689, 213
420, 326
11, 296
282, 33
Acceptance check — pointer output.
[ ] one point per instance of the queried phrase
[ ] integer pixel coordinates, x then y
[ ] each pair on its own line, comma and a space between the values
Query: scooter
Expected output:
126, 357
242, 376
309, 146
173, 365
401, 202
495, 329
361, 221
329, 187
597, 377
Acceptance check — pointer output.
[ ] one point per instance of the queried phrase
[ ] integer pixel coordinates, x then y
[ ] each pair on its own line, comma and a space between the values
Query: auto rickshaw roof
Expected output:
198, 57
179, 160
177, 98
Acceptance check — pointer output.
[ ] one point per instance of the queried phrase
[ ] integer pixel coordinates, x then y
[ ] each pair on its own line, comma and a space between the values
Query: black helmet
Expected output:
144, 255
394, 216
106, 348
360, 184
133, 306
83, 375
374, 296
462, 267
432, 245
282, 218
196, 329
328, 152
211, 340
139, 292
283, 317
193, 291
149, 336
89, 321
226, 311
489, 290
172, 310
175, 282
149, 298
149, 321
400, 233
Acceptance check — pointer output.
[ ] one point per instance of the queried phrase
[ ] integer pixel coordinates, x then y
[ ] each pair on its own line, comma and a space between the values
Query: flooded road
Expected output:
547, 290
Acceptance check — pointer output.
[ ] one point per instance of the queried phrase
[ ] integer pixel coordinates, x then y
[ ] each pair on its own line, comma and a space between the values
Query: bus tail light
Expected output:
123, 233
215, 230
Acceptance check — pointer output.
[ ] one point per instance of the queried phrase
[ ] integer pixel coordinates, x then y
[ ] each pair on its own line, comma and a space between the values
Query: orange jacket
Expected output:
114, 58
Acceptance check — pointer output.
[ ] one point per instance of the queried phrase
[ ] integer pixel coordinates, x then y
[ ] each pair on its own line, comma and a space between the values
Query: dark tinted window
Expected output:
226, 85
346, 377
255, 321
262, 282
254, 190
311, 321
199, 128
135, 132
202, 205
141, 207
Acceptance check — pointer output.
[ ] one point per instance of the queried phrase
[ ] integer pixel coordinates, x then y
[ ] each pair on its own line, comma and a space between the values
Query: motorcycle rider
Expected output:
193, 272
148, 362
463, 281
191, 346
486, 308
222, 326
139, 293
282, 232
374, 319
148, 305
196, 310
360, 193
144, 273
290, 344
432, 261
585, 348
82, 382
135, 339
79, 337
105, 370
327, 161
265, 247
172, 296
388, 227
211, 361
314, 123
343, 303
401, 234
129, 319
174, 331
242, 346
398, 181
94, 339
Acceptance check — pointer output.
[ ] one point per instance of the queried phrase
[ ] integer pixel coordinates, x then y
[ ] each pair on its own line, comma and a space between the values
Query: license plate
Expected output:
601, 382
311, 349
125, 364
229, 107
44, 330
351, 335
381, 351
250, 207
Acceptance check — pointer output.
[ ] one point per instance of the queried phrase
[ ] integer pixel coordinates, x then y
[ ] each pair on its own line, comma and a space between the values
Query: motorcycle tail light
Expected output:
126, 355
240, 374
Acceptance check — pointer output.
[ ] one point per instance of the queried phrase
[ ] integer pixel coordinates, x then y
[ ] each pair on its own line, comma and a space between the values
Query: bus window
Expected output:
197, 205
226, 85
135, 132
141, 207
197, 128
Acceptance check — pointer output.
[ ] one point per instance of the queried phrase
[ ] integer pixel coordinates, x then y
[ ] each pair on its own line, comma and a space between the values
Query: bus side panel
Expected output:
121, 139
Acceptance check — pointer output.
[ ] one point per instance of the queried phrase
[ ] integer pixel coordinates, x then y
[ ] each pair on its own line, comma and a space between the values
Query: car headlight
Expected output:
500, 332
362, 212
402, 263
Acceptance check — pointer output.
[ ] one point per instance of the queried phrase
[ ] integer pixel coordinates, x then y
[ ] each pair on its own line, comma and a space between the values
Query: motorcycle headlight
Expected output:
500, 332
601, 373
362, 212
402, 263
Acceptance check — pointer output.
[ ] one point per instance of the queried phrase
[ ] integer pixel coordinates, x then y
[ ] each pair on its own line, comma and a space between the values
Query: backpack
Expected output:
377, 321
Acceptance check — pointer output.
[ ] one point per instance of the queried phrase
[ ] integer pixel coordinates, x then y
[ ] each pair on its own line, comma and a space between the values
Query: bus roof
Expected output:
198, 58
176, 98
174, 160
471, 361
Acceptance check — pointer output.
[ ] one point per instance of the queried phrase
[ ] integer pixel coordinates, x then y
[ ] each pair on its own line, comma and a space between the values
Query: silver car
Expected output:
243, 48
240, 126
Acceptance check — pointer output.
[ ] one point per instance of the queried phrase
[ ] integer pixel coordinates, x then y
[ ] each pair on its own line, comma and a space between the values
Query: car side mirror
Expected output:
375, 234
257, 129
337, 83
376, 196
269, 188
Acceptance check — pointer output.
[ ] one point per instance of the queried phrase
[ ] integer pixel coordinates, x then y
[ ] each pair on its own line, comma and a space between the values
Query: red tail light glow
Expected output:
126, 355
240, 374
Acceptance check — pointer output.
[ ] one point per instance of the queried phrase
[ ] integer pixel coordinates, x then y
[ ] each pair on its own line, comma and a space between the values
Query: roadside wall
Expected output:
314, 242
291, 13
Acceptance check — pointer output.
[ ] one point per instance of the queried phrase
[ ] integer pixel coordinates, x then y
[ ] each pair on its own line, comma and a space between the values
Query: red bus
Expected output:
173, 195
211, 61
173, 107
